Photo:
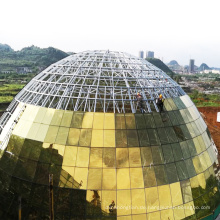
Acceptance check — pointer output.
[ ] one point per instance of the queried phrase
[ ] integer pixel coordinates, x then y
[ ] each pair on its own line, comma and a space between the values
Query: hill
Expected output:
204, 66
173, 63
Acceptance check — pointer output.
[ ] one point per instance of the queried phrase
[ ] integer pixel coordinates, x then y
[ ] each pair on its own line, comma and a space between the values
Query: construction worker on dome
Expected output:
159, 102
140, 102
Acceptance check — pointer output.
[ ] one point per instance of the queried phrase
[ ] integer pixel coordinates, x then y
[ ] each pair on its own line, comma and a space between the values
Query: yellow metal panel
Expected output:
82, 157
98, 122
153, 216
80, 176
123, 178
122, 157
109, 138
136, 178
138, 201
40, 115
109, 179
73, 137
124, 202
33, 131
41, 134
176, 194
51, 134
152, 199
62, 135
167, 214
67, 118
165, 197
48, 116
95, 157
108, 197
87, 120
109, 122
95, 179
134, 157
57, 117
69, 158
97, 138
179, 212
189, 209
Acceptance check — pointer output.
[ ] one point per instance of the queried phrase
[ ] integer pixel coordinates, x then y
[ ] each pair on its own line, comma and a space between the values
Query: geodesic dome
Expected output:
79, 120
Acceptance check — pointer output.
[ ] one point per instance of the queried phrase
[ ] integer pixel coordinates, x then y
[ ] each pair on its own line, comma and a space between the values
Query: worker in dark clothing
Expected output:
111, 206
140, 102
159, 103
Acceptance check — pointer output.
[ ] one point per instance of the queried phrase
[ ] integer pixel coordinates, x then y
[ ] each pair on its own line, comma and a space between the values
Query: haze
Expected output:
174, 30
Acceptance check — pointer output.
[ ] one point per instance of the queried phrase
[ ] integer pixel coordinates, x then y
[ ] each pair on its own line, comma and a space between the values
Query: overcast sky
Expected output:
173, 29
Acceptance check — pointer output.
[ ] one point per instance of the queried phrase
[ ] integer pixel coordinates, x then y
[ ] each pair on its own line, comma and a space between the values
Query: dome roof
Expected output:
99, 81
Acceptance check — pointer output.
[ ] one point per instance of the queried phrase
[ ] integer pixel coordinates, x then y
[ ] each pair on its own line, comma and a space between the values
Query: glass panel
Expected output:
192, 148
138, 201
98, 122
186, 191
190, 167
82, 157
95, 157
157, 155
203, 161
97, 138
85, 137
120, 121
132, 138
177, 153
130, 121
185, 132
149, 177
143, 138
40, 115
48, 116
94, 179
109, 138
179, 117
109, 179
152, 199
123, 178
146, 156
207, 159
73, 137
163, 136
46, 153
109, 157
184, 116
189, 115
172, 104
181, 170
167, 105
121, 138
179, 103
140, 122
164, 197
51, 134
149, 121
109, 122
108, 197
195, 128
124, 200
167, 153
171, 173
185, 149
171, 134
67, 118
179, 133
62, 135
197, 165
158, 119
152, 134
69, 158
134, 157
166, 119
57, 117
122, 157
87, 120
136, 175
176, 194
173, 118
191, 130
77, 120
161, 175
35, 149
206, 139
202, 144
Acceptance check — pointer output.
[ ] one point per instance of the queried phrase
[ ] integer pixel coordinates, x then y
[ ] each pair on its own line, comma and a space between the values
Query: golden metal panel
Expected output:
153, 216
109, 155
51, 134
109, 179
95, 157
77, 120
139, 217
123, 178
134, 157
30, 113
109, 138
146, 156
40, 115
85, 137
186, 191
122, 157
80, 176
60, 149
98, 122
149, 177
152, 199
197, 145
87, 120
176, 194
67, 118
127, 217
138, 201
130, 121
123, 202
189, 209
167, 214
207, 159
202, 181
33, 131
95, 179
41, 133
107, 198
73, 137
164, 197
62, 135
197, 164
136, 175
97, 138
109, 122
48, 116
66, 177
57, 117
179, 212
82, 157
69, 158
203, 161
121, 138
120, 121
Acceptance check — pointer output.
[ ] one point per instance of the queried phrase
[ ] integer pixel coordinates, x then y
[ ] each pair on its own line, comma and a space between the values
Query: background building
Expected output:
149, 54
191, 66
141, 54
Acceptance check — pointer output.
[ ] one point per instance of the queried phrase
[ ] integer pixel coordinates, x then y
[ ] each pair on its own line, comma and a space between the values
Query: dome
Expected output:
81, 121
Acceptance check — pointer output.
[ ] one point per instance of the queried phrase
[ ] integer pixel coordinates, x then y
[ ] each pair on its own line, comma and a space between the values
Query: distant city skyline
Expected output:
175, 32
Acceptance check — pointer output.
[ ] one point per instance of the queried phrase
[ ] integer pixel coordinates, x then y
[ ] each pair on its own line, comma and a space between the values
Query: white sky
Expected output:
173, 29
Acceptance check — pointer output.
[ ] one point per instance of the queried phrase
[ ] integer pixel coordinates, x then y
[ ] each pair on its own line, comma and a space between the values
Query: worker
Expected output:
159, 103
111, 206
140, 102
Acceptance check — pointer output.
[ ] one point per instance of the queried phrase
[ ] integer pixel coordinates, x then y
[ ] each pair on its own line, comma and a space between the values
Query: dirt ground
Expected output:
210, 116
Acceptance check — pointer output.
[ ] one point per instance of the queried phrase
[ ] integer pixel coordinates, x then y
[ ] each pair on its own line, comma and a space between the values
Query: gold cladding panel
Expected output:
51, 134
124, 202
82, 157
95, 157
136, 175
48, 116
152, 199
179, 212
165, 197
73, 136
87, 120
138, 201
176, 194
167, 214
80, 176
67, 118
109, 138
57, 117
109, 179
134, 157
109, 122
153, 216
97, 138
41, 133
62, 135
107, 198
69, 158
98, 122
95, 179
123, 178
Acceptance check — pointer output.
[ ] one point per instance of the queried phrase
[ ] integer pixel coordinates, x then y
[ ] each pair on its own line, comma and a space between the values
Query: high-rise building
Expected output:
149, 54
191, 66
141, 54
80, 120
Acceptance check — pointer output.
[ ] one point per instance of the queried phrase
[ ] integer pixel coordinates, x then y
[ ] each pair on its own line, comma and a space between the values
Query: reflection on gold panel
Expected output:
203, 161
120, 121
109, 122
123, 178
136, 175
167, 214
66, 177
109, 157
30, 113
33, 131
73, 137
57, 117
85, 137
98, 122
153, 216
179, 212
108, 198
51, 134
97, 138
186, 191
132, 138
80, 176
69, 158
77, 120
95, 179
109, 179
95, 157
146, 156
62, 135
109, 138
134, 157
197, 165
48, 116
127, 217
164, 197
130, 121
149, 177
123, 202
138, 201
40, 115
41, 133
67, 118
139, 217
122, 157
176, 194
82, 157
189, 209
60, 149
87, 120
94, 197
121, 138
202, 181
207, 159
197, 145
152, 199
